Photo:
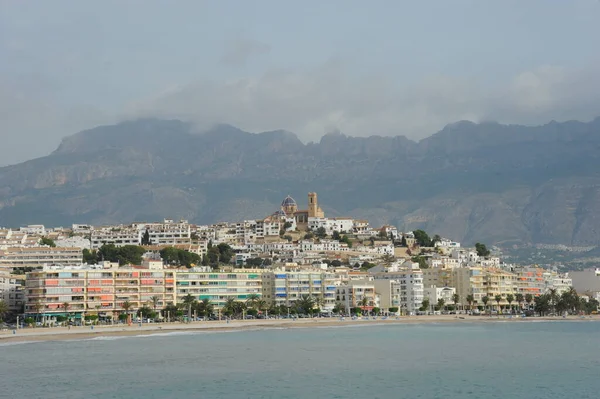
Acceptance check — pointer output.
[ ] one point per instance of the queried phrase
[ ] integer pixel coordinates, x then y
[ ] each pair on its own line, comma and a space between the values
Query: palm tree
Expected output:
252, 299
485, 301
65, 306
529, 300
553, 295
510, 298
520, 298
155, 300
204, 307
126, 307
498, 299
3, 309
455, 299
261, 305
470, 300
188, 301
441, 303
229, 306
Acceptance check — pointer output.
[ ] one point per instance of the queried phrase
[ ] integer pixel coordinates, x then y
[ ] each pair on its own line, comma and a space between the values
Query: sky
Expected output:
362, 68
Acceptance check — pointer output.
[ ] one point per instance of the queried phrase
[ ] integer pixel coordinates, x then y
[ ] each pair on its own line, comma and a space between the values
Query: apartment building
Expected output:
96, 290
281, 287
390, 295
39, 256
218, 287
498, 282
411, 287
11, 238
118, 236
166, 233
434, 294
11, 290
357, 294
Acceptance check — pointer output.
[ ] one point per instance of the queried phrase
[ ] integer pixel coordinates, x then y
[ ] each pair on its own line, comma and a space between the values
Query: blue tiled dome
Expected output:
288, 201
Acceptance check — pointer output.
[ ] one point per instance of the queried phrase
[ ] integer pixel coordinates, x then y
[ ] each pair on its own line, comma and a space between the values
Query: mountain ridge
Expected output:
488, 182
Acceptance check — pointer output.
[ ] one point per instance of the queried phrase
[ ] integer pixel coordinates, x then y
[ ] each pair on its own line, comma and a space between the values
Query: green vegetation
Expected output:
47, 241
3, 309
482, 250
422, 238
146, 238
321, 232
421, 261
179, 257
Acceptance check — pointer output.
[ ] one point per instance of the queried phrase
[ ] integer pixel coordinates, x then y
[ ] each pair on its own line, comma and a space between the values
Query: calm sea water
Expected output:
487, 360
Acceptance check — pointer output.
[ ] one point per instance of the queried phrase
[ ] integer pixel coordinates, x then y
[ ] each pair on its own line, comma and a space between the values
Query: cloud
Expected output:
240, 50
328, 98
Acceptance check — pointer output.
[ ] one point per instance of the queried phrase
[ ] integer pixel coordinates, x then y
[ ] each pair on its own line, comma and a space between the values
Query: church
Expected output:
289, 211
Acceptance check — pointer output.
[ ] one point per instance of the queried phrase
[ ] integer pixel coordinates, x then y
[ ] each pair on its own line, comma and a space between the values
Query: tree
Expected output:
455, 300
65, 307
529, 299
553, 298
364, 302
542, 304
482, 250
309, 235
154, 300
179, 257
336, 235
346, 240
382, 234
421, 261
321, 232
485, 301
305, 304
188, 301
146, 238
47, 241
225, 253
436, 238
498, 299
520, 299
425, 305
251, 300
510, 298
126, 307
123, 255
440, 304
422, 238
470, 300
90, 257
213, 255
3, 309
403, 241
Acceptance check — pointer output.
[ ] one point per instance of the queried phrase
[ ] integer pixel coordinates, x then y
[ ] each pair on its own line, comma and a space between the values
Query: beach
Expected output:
87, 332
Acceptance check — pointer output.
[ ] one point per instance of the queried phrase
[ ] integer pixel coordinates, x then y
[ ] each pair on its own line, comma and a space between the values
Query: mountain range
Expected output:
486, 182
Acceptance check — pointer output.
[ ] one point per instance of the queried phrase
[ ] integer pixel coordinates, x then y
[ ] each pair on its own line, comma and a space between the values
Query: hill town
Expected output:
294, 261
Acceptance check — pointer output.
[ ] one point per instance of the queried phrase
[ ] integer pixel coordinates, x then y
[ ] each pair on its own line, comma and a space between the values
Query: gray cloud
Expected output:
240, 50
326, 99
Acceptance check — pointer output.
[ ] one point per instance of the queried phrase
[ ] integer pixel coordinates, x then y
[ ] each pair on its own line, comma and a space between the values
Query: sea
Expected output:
508, 360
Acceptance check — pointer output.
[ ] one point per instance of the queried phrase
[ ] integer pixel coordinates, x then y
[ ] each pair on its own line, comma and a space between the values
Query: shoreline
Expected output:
77, 333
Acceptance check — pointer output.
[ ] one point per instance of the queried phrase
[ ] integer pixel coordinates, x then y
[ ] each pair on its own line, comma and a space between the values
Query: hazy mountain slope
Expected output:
487, 182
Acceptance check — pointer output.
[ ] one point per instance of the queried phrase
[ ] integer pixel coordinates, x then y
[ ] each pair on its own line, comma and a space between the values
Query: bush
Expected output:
61, 319
122, 317
29, 320
393, 310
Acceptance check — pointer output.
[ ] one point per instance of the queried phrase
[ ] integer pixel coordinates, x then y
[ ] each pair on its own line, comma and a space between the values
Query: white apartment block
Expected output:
360, 226
11, 291
341, 225
11, 238
37, 229
434, 294
118, 236
40, 256
411, 287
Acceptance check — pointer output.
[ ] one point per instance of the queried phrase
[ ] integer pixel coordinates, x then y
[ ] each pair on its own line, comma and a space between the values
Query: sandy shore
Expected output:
63, 333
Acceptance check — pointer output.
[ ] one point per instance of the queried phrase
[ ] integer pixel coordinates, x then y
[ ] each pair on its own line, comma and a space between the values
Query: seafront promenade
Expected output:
87, 332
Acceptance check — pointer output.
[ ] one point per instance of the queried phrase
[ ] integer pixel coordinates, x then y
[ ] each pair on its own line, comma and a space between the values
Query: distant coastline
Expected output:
79, 333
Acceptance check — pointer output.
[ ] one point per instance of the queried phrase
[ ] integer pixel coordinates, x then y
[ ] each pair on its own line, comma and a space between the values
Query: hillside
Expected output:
489, 182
